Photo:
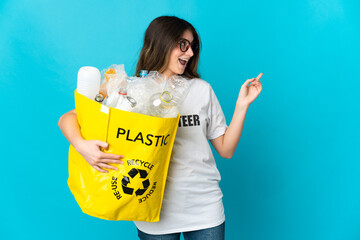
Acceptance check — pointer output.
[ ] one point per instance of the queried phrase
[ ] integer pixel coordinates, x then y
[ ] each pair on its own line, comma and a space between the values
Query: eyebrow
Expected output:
187, 40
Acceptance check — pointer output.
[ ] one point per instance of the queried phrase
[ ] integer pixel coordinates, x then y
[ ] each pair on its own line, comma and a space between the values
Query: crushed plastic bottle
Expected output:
115, 81
142, 88
166, 103
178, 88
160, 104
126, 103
114, 97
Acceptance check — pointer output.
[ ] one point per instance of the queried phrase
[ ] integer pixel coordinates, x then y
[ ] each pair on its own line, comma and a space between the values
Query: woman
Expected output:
192, 201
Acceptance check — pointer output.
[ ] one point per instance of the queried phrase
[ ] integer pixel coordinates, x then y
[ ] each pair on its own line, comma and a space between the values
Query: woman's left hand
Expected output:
248, 93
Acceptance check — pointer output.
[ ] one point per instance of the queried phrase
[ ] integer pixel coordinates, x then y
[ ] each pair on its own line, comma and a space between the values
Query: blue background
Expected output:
295, 174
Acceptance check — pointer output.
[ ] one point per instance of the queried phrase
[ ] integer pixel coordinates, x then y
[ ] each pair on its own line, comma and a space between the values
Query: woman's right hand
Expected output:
91, 152
89, 149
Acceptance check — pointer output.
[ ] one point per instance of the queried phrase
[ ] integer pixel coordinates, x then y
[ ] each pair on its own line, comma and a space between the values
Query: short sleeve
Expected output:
217, 123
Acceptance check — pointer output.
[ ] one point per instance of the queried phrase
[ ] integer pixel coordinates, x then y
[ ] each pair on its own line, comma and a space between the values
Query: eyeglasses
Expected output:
185, 44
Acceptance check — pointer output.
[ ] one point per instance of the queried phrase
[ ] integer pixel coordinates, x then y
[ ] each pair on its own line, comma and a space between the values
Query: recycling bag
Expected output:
135, 191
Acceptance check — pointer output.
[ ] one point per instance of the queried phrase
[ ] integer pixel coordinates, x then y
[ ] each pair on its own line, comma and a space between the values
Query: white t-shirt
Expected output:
192, 198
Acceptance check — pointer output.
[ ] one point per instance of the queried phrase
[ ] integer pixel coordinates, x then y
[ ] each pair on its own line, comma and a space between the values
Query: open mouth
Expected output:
183, 62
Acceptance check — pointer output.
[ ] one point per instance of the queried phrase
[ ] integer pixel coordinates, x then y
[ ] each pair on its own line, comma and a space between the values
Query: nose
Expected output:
190, 52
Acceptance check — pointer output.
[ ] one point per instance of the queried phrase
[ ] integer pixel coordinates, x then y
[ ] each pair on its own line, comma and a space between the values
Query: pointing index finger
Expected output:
258, 77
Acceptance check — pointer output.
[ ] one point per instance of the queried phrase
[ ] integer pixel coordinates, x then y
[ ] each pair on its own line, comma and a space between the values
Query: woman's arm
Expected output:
226, 144
89, 149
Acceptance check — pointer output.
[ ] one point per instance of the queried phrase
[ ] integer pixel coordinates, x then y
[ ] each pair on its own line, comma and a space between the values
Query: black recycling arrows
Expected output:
126, 185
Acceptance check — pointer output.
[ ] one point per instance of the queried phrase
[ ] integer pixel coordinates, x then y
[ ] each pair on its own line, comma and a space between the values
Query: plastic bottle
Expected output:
113, 98
88, 82
178, 88
125, 103
160, 104
116, 86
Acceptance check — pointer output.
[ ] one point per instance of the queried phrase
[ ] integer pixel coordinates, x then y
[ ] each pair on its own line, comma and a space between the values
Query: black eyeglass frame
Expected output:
194, 45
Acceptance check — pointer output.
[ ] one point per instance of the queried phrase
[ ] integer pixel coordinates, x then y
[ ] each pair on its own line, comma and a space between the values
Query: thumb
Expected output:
102, 144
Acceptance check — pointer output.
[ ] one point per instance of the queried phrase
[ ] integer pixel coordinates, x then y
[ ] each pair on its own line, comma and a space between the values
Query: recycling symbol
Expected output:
129, 182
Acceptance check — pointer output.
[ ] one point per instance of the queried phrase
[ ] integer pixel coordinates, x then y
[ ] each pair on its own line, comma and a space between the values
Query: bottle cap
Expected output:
99, 98
131, 101
123, 91
143, 73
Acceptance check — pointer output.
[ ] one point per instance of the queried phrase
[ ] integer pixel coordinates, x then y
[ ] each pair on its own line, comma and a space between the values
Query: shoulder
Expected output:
200, 90
199, 83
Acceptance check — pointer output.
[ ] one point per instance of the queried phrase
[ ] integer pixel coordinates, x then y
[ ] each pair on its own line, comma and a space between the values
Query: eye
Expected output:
182, 44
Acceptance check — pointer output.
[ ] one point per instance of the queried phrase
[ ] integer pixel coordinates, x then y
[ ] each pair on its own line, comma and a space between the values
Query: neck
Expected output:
168, 74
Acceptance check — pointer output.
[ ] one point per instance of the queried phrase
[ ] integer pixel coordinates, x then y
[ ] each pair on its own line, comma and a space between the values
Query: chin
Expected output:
180, 72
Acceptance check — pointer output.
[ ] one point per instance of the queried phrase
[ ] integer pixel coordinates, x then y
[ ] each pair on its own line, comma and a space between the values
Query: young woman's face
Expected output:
179, 59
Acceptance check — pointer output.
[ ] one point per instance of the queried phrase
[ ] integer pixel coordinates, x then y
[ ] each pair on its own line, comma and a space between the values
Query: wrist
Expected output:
241, 105
78, 143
